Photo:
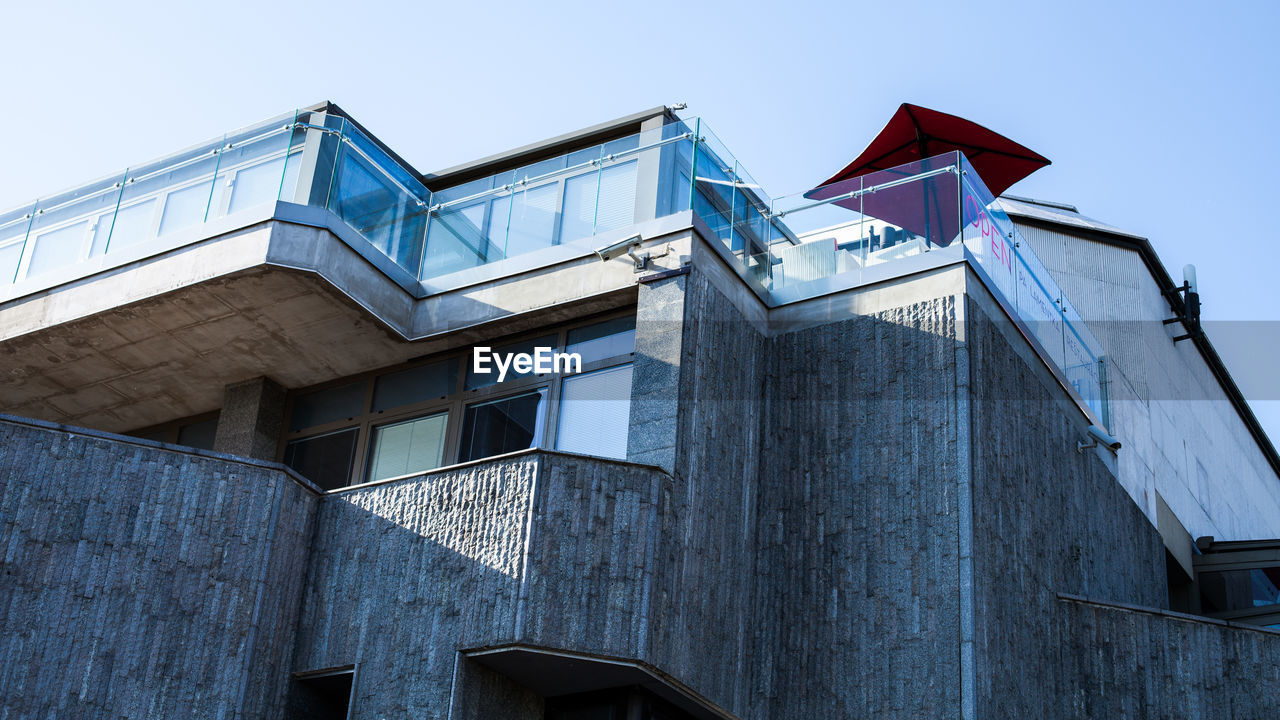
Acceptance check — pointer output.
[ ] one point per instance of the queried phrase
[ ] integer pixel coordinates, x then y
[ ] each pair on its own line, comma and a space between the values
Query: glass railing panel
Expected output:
456, 240
812, 240
568, 199
616, 198
1026, 284
850, 227
581, 196
165, 196
497, 225
988, 236
251, 168
379, 199
676, 180
916, 206
462, 229
13, 236
69, 228
1081, 358
717, 191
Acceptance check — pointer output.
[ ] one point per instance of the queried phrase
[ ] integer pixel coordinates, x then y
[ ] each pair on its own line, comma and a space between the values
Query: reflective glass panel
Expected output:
325, 459
427, 382
328, 405
502, 426
604, 340
408, 447
478, 380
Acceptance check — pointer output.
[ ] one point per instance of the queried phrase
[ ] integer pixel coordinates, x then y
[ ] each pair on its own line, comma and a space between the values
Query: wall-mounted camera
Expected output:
1098, 436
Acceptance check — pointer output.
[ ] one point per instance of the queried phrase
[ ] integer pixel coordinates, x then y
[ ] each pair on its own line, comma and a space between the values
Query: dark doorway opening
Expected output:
321, 695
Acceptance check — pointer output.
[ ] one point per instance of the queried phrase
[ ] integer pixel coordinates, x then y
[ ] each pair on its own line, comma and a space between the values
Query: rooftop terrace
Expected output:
318, 167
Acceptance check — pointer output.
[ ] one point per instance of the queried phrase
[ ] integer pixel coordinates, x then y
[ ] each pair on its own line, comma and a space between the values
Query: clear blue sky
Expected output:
1160, 117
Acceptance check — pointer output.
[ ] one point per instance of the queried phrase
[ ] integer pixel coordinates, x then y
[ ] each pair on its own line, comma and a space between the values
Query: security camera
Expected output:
619, 248
1098, 435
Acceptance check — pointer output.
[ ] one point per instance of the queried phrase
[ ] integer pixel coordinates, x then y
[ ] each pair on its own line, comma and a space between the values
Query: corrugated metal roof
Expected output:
1056, 213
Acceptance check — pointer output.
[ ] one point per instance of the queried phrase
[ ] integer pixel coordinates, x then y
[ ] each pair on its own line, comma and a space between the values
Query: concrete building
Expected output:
815, 461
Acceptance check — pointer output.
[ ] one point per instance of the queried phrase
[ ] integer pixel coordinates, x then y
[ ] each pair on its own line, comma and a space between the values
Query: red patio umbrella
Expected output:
928, 207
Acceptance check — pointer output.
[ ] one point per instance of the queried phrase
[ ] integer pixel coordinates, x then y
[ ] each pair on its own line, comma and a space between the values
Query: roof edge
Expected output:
542, 149
1167, 286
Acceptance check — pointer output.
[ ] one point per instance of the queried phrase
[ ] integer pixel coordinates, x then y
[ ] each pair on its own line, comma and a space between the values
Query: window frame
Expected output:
457, 401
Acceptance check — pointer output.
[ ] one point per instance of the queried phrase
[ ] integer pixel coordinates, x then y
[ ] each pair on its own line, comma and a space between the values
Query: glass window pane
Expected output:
160, 435
479, 380
408, 447
610, 338
57, 248
9, 256
199, 435
414, 385
132, 224
324, 460
256, 185
533, 219
455, 241
595, 413
185, 207
617, 202
502, 426
326, 406
499, 216
579, 219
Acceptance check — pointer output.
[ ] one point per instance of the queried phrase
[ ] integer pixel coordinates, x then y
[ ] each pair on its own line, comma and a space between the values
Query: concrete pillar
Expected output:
251, 420
655, 384
651, 182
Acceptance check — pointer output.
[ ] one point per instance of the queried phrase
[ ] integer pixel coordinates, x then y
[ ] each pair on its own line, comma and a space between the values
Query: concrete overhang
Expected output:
287, 293
552, 673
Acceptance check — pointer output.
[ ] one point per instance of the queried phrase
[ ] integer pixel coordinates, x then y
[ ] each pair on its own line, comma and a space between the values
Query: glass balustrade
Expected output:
789, 248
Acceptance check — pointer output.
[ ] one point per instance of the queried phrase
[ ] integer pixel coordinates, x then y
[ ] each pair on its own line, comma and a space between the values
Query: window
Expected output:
324, 459
601, 341
408, 447
502, 426
406, 387
197, 431
475, 381
595, 411
435, 411
199, 434
324, 406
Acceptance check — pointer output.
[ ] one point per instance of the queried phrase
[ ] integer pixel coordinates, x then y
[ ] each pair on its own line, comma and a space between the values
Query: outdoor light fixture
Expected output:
1189, 313
1098, 435
628, 246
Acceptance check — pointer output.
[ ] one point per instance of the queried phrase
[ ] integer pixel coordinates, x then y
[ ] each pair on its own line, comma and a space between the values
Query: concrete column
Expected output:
319, 152
251, 420
649, 173
655, 384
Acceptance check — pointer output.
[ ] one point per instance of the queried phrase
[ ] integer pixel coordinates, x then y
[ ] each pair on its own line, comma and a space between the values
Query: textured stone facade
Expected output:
1134, 663
142, 581
539, 548
873, 515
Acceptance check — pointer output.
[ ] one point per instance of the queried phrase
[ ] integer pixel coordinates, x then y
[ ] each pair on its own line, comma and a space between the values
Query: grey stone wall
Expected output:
811, 562
1117, 662
655, 409
706, 629
1046, 519
143, 581
858, 520
538, 548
